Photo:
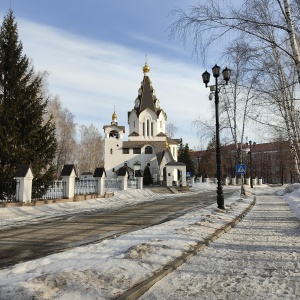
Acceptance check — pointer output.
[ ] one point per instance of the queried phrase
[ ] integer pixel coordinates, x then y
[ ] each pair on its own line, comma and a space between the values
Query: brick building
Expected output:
270, 161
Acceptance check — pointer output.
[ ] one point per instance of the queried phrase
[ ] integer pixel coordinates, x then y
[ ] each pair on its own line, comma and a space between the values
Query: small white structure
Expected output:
24, 176
68, 175
147, 145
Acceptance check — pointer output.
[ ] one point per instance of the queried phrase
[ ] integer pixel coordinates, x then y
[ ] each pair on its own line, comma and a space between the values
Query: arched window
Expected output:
148, 127
111, 151
148, 150
114, 134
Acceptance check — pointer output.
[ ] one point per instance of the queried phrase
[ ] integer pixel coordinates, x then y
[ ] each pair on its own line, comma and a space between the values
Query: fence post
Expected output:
123, 182
233, 180
24, 176
123, 175
139, 177
100, 175
68, 175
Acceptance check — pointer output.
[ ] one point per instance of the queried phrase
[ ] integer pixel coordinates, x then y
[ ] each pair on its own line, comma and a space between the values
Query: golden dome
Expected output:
146, 68
114, 116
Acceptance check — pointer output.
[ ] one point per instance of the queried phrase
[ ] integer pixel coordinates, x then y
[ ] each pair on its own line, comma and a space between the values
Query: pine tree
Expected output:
24, 136
181, 152
184, 155
190, 166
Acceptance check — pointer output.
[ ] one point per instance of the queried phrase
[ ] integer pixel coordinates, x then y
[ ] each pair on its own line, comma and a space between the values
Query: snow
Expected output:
257, 259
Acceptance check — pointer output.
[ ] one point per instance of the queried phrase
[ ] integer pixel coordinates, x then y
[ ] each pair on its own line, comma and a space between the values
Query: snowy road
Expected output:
64, 232
259, 259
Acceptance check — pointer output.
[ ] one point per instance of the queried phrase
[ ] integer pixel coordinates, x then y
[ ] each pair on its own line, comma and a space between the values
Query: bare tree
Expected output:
90, 149
209, 22
65, 132
171, 130
269, 26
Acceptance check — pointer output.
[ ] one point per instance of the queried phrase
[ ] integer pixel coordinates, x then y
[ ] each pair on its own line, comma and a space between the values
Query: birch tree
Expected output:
269, 26
211, 21
65, 133
90, 149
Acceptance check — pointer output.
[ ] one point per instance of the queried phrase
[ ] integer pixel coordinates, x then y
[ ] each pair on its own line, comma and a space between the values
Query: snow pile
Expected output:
291, 194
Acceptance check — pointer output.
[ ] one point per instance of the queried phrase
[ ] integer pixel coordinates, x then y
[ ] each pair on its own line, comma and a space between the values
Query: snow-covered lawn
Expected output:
107, 269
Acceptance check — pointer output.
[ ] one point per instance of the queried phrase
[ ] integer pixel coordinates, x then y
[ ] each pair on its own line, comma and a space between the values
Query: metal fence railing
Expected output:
49, 190
9, 190
132, 184
85, 187
113, 184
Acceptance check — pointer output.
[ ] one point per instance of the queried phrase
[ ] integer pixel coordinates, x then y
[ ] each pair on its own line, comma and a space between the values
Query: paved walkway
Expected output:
258, 259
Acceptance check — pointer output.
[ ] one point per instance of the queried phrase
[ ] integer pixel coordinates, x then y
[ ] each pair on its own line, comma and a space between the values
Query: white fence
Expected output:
85, 187
132, 184
113, 184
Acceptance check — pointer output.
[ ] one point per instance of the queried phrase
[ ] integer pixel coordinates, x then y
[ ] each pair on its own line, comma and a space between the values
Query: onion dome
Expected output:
114, 118
146, 69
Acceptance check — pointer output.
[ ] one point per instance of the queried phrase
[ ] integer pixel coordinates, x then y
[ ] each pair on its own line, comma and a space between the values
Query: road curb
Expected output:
138, 290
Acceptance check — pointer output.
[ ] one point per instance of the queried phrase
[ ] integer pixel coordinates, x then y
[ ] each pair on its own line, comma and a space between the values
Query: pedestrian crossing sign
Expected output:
240, 169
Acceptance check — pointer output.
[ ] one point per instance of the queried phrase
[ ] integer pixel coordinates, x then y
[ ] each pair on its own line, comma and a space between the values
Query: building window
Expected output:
125, 150
152, 129
148, 127
114, 134
148, 150
143, 128
136, 150
111, 151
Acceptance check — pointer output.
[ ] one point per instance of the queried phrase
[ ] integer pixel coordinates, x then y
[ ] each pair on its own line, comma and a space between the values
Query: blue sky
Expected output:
94, 51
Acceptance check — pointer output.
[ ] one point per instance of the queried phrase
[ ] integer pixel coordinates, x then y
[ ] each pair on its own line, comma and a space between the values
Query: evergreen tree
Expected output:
24, 136
184, 156
147, 177
181, 152
190, 166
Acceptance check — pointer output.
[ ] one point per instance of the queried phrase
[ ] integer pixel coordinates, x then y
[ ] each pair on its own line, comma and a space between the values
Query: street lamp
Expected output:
226, 76
251, 179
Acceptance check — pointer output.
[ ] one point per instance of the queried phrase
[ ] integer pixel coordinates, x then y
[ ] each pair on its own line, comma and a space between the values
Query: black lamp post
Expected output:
251, 179
226, 76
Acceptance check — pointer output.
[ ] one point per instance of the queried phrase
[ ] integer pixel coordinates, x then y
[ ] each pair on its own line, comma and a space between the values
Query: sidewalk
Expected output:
258, 259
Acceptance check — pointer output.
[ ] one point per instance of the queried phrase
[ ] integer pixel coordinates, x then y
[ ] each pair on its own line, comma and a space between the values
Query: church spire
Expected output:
146, 68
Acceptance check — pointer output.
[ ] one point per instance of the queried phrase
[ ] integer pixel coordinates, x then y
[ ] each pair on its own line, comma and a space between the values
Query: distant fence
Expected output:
132, 184
113, 184
25, 188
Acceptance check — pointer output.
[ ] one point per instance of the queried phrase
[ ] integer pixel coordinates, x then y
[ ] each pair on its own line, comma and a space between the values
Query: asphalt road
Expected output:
37, 240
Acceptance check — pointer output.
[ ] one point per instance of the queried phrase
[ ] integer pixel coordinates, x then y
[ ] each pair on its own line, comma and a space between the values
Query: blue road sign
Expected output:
188, 174
240, 169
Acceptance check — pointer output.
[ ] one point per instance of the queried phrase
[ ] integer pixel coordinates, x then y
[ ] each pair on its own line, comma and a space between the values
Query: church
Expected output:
148, 145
